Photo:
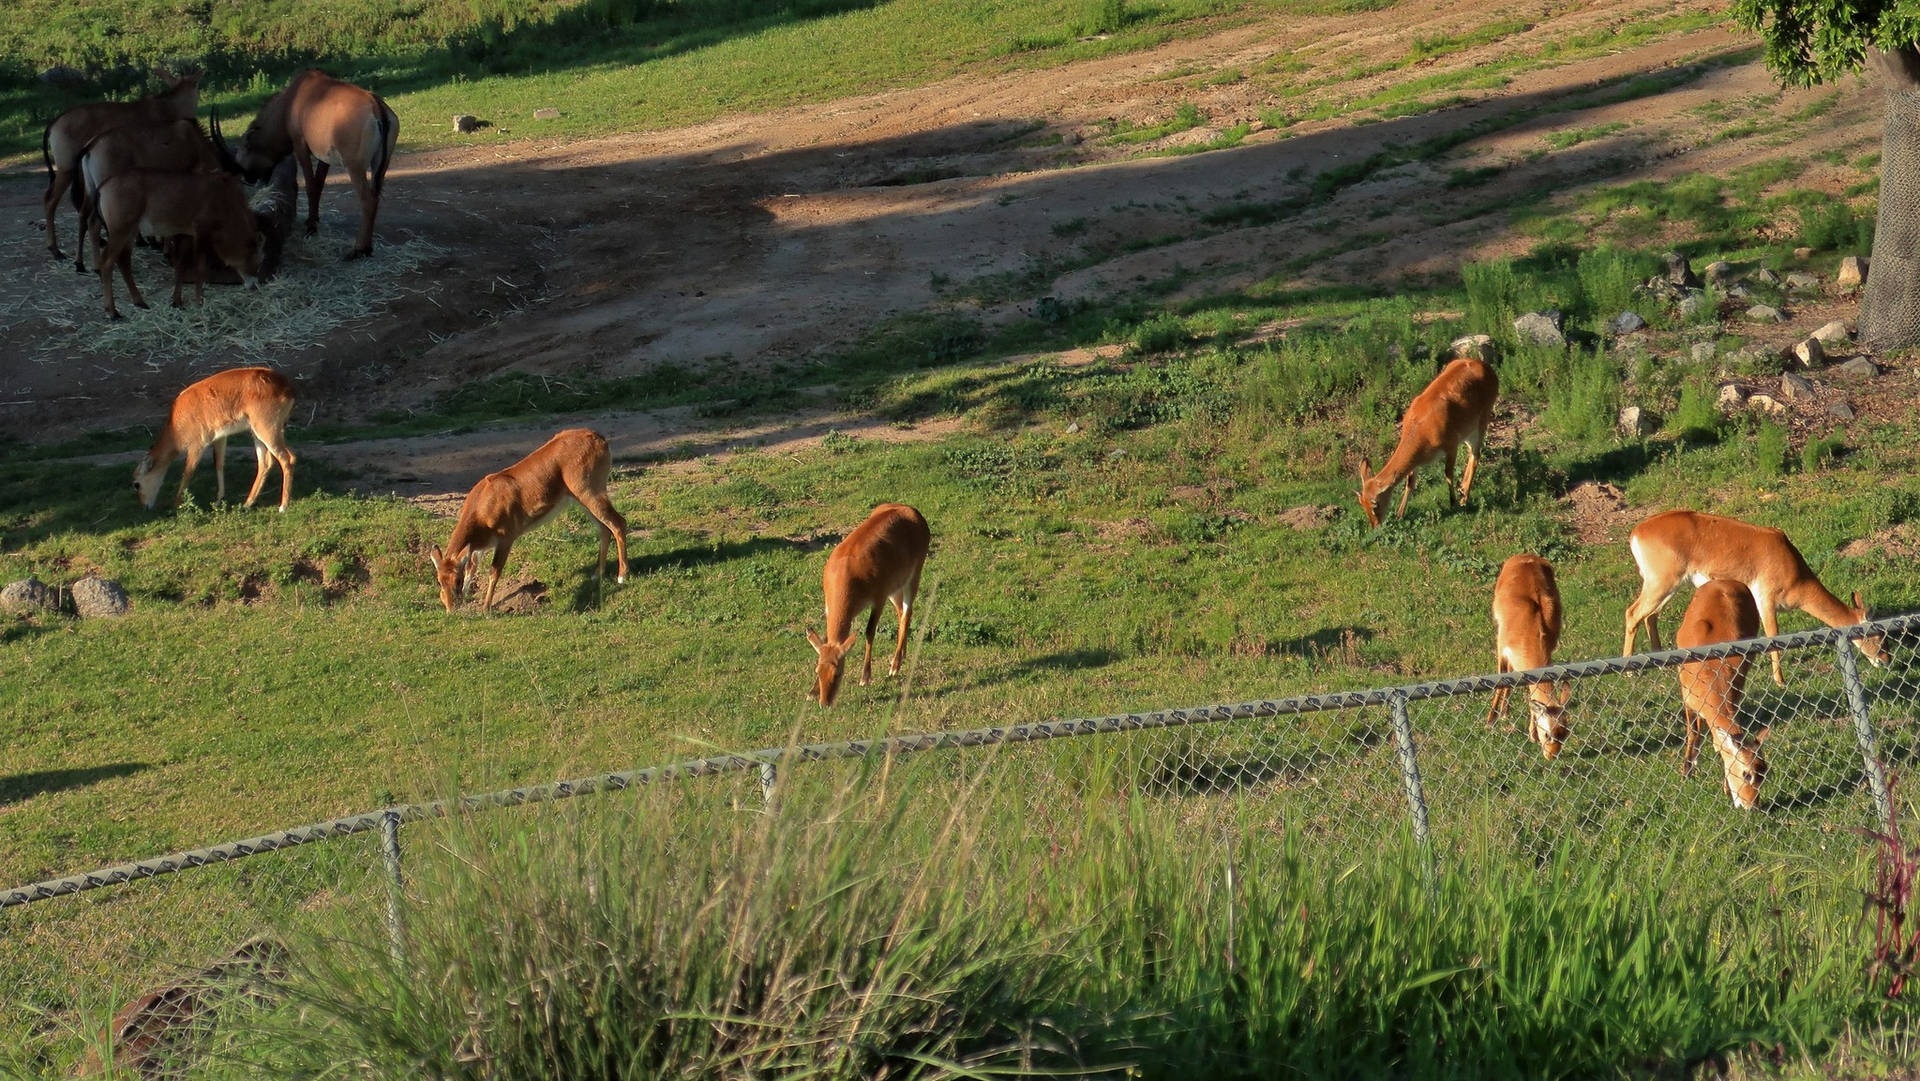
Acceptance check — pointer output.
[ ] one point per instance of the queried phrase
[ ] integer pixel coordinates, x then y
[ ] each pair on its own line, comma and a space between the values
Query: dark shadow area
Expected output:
1327, 642
1221, 774
703, 555
21, 787
1071, 660
1621, 464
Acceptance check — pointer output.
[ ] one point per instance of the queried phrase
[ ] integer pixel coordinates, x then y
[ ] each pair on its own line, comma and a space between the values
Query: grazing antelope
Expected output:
1678, 544
1453, 410
878, 562
321, 121
1710, 691
1526, 628
179, 146
573, 464
209, 208
257, 400
61, 142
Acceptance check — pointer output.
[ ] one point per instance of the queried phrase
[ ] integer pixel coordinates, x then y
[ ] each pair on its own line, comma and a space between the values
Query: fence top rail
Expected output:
928, 741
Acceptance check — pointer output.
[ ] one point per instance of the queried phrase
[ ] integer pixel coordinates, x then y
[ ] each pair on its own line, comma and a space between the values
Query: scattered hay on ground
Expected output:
315, 293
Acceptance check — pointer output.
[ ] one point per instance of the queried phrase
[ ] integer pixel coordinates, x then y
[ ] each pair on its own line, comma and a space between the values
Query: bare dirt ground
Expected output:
774, 236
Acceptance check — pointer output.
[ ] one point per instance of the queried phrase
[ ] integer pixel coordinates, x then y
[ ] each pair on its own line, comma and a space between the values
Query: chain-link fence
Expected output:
1351, 772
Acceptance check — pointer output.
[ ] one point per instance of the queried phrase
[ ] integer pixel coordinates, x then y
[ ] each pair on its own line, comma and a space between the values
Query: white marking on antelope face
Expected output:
1549, 727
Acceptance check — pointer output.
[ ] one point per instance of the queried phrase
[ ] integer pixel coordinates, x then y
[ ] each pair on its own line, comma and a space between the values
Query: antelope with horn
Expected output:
321, 121
63, 138
256, 400
573, 465
208, 208
879, 562
1710, 691
1676, 545
1452, 412
1526, 622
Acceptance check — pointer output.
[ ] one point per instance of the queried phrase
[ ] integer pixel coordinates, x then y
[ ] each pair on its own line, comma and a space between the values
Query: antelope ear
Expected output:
435, 555
1760, 737
813, 639
1366, 470
1566, 692
1860, 608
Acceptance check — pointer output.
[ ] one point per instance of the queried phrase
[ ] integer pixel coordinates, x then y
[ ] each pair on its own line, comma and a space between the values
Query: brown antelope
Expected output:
178, 147
878, 562
322, 121
256, 400
61, 142
209, 208
1679, 544
1710, 691
1526, 628
573, 464
1453, 410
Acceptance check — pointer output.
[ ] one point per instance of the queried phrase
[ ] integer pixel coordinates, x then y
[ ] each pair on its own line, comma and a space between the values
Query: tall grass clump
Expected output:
1583, 395
910, 926
1496, 294
1609, 278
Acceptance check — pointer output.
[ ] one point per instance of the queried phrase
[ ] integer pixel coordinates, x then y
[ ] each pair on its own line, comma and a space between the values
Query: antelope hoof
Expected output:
54, 252
358, 253
114, 314
141, 304
313, 227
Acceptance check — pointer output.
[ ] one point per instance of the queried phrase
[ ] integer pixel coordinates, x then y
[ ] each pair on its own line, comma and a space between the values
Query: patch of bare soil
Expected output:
1897, 542
1307, 517
1599, 512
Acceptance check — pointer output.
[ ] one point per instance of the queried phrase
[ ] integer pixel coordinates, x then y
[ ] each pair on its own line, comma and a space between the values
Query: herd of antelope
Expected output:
146, 169
1744, 574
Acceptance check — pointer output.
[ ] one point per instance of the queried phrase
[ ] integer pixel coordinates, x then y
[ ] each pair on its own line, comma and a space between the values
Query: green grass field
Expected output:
1169, 524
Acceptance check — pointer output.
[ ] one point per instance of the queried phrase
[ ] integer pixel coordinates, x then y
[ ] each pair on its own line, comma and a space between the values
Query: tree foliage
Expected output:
1815, 41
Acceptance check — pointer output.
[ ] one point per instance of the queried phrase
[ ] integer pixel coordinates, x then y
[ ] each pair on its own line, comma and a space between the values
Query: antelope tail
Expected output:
383, 117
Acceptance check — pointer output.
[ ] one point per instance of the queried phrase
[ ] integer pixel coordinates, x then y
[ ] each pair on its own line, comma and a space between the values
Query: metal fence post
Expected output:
390, 848
1410, 770
769, 776
1863, 730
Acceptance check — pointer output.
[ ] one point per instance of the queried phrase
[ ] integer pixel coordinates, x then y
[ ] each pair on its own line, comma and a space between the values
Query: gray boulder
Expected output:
1766, 313
1794, 386
27, 596
1694, 304
1541, 328
1477, 346
1635, 421
1853, 271
1703, 352
1832, 333
1857, 368
95, 598
1720, 272
1841, 409
1625, 323
1809, 353
1803, 281
1679, 271
1766, 277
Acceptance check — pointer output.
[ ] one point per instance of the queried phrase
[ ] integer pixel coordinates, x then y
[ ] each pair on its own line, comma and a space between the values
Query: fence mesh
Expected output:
1350, 774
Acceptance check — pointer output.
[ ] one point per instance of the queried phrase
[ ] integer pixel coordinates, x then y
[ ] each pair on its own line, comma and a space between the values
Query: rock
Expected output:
1073, 428
1794, 386
1635, 421
1116, 454
1857, 368
1695, 304
98, 598
1732, 396
1803, 281
1766, 313
1478, 346
1625, 323
1703, 352
1767, 404
466, 124
27, 596
1841, 409
1809, 353
1803, 253
1766, 277
1720, 272
546, 114
62, 77
1679, 272
1853, 271
1541, 328
1836, 331
1738, 291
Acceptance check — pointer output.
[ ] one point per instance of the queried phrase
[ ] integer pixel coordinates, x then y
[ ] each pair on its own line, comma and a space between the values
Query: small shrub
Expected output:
1106, 17
1160, 334
1583, 396
1834, 226
1697, 418
1770, 449
1819, 452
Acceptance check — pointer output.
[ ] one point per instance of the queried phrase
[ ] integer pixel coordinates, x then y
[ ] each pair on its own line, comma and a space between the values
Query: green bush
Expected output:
1697, 418
1770, 449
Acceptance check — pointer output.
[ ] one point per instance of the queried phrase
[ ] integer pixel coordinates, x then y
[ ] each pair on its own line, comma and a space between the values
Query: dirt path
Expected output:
765, 238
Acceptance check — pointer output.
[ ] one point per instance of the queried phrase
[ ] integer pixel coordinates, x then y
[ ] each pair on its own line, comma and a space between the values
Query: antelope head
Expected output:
1742, 765
452, 575
831, 666
148, 472
1874, 648
1373, 495
1549, 724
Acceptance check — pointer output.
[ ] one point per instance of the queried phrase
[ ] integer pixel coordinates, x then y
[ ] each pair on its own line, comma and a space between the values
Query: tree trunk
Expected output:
1890, 310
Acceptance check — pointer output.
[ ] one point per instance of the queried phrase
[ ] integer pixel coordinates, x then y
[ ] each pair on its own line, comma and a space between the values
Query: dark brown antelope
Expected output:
179, 146
63, 139
1671, 547
1453, 411
1526, 621
879, 562
256, 400
1710, 691
573, 464
321, 122
210, 209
